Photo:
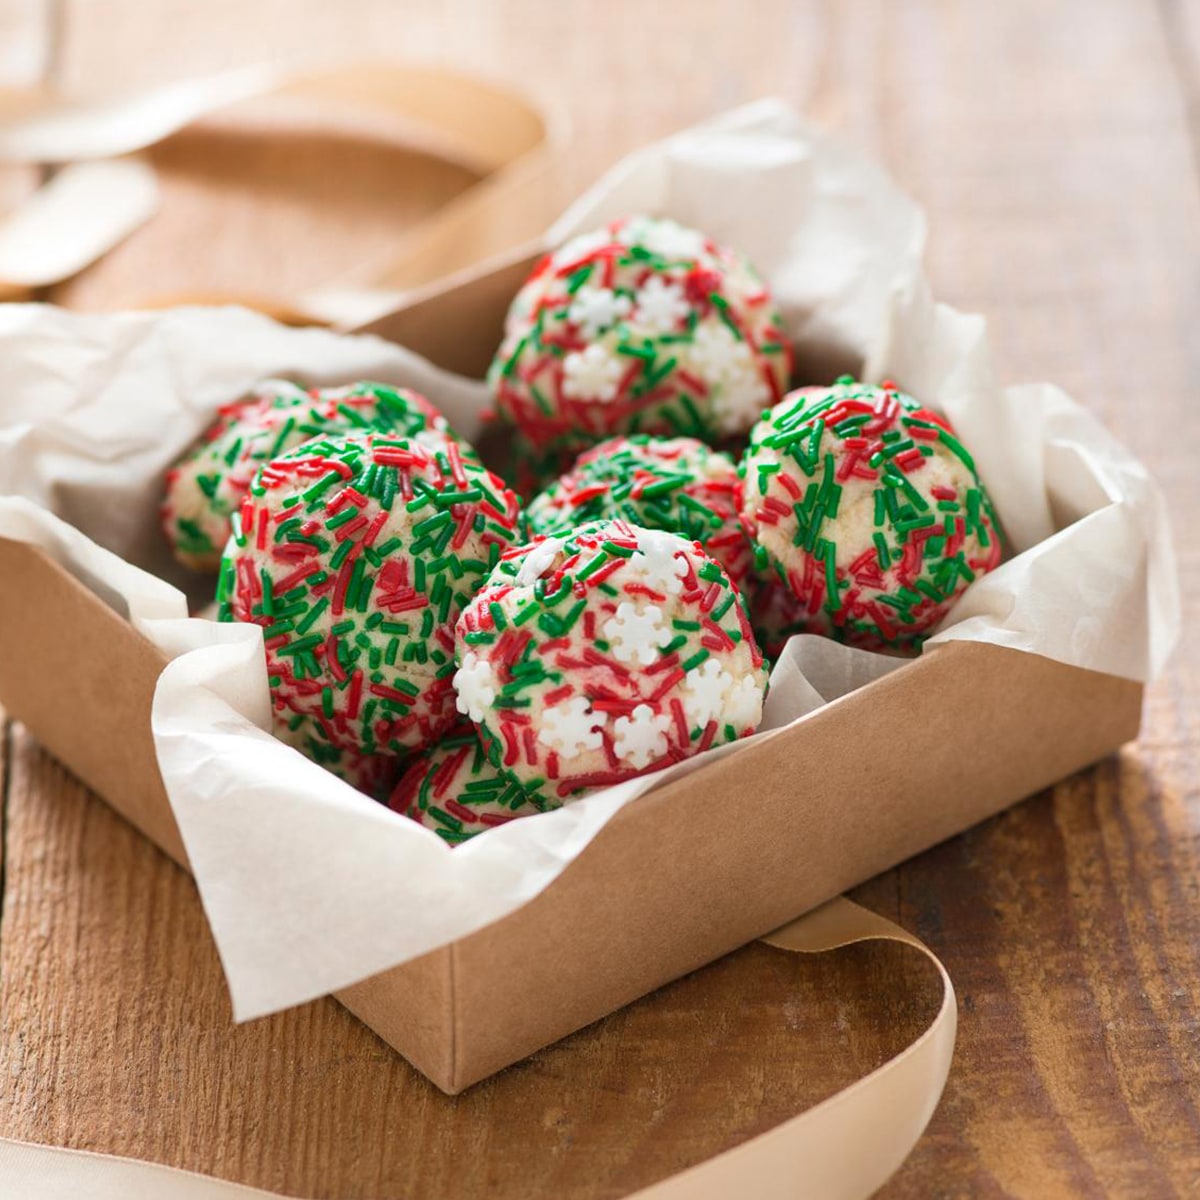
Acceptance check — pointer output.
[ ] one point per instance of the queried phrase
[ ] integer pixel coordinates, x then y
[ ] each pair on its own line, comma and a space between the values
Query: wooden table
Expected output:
1055, 149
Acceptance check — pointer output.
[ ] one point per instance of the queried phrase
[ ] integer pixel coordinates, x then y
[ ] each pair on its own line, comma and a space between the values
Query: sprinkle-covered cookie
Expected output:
373, 774
869, 509
454, 789
641, 327
206, 487
677, 484
356, 555
598, 656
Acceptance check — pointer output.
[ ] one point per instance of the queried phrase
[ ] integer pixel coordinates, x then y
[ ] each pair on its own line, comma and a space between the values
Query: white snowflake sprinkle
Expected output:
571, 728
739, 398
704, 689
657, 559
475, 683
715, 353
744, 703
538, 561
661, 236
641, 737
592, 374
636, 635
596, 309
727, 365
661, 306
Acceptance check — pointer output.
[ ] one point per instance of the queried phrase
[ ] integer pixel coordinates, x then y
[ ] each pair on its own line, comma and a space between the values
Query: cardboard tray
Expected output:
776, 828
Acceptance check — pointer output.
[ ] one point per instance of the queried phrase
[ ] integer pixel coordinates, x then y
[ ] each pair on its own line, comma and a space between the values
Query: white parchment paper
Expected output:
310, 886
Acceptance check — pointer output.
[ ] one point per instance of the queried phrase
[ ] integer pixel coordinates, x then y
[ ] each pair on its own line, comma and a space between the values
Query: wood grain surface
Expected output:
1055, 148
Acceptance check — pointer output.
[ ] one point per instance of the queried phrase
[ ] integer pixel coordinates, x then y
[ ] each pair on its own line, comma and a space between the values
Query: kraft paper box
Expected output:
693, 870
537, 928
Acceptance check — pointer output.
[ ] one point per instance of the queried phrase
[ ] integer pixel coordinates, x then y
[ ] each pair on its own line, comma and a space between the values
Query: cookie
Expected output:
594, 657
356, 555
869, 510
644, 326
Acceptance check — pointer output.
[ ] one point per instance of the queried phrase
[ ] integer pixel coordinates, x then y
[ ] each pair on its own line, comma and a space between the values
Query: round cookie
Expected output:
356, 556
595, 657
870, 511
205, 488
677, 484
454, 789
373, 774
641, 327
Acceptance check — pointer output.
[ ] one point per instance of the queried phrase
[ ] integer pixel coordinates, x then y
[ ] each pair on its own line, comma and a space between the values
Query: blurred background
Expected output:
1049, 143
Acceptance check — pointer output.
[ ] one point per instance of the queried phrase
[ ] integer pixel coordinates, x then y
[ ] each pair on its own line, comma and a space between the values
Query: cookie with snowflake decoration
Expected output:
454, 789
374, 775
356, 555
869, 510
600, 655
205, 488
677, 484
641, 327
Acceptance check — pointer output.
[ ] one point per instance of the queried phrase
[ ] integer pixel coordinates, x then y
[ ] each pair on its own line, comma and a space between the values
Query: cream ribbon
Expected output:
79, 216
844, 1148
87, 208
